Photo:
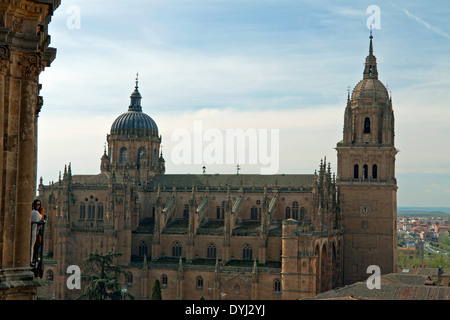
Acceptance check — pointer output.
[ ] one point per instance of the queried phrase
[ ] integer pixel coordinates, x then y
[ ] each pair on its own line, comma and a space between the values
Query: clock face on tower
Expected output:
364, 210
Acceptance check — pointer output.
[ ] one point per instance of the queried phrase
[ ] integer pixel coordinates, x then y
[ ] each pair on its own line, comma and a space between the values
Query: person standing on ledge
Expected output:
36, 216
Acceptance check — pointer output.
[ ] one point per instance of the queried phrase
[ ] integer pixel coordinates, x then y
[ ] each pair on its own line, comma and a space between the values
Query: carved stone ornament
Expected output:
17, 25
39, 104
5, 58
30, 65
5, 53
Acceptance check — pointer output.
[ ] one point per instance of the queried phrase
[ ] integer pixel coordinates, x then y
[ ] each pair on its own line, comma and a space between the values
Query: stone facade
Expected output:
271, 237
24, 53
230, 232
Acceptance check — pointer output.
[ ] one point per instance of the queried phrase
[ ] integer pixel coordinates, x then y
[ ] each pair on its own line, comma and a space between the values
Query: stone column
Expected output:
4, 82
24, 53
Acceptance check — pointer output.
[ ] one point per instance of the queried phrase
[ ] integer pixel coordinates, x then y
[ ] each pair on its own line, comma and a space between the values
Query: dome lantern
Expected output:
135, 103
134, 121
370, 70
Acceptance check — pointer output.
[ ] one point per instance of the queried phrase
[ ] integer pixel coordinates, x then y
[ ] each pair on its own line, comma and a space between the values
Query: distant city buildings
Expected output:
425, 228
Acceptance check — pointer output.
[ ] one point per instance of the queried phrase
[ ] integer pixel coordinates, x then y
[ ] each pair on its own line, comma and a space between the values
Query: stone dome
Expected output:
134, 121
370, 92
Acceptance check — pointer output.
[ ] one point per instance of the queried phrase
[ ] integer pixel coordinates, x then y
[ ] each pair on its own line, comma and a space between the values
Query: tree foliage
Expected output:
431, 261
156, 291
102, 277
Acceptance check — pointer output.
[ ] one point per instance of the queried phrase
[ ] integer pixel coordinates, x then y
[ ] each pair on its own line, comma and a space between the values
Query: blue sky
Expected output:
264, 64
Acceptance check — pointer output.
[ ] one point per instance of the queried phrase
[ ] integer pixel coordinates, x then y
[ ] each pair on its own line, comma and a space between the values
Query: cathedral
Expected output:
231, 236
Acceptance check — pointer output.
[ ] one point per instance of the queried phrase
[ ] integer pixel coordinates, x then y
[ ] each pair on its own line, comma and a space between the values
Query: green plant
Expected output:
102, 277
156, 291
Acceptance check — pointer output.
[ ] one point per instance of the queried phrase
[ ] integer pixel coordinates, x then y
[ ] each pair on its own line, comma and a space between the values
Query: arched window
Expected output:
143, 249
365, 172
91, 211
367, 125
258, 210
288, 212
254, 213
176, 250
163, 281
277, 286
140, 154
211, 252
199, 283
356, 171
123, 156
82, 211
221, 211
100, 211
186, 211
247, 252
374, 171
295, 210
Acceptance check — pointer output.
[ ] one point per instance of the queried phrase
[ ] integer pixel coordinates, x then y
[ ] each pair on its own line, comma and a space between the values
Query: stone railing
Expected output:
210, 268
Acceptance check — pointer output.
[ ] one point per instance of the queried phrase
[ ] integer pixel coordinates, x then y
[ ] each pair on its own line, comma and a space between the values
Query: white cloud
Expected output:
306, 136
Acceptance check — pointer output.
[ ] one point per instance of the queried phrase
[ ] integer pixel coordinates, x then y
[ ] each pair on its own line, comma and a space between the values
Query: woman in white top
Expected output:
35, 217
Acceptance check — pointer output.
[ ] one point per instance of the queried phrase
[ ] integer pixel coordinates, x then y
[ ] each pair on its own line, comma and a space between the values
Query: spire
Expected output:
255, 271
217, 270
370, 70
105, 155
180, 269
137, 73
135, 104
145, 266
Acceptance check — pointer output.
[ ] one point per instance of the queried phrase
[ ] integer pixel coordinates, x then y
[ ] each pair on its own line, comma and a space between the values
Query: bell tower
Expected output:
366, 177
